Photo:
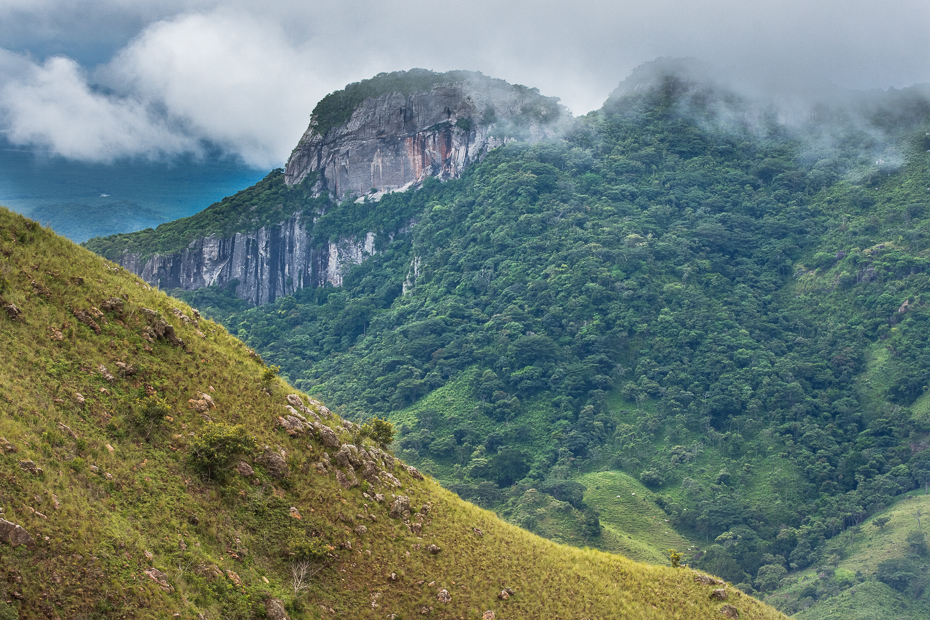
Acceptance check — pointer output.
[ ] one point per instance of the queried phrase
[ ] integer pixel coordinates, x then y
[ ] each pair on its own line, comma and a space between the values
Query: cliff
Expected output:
385, 134
401, 128
268, 263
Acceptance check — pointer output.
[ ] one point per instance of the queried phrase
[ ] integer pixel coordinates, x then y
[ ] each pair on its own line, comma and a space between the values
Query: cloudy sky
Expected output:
109, 79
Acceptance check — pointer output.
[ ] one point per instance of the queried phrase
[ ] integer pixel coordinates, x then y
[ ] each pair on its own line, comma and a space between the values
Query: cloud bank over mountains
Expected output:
118, 79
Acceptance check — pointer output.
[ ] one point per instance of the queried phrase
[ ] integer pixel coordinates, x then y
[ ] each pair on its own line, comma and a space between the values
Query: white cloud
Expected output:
51, 105
226, 77
245, 74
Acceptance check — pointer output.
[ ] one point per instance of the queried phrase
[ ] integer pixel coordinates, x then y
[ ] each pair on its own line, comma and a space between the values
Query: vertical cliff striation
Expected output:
395, 130
267, 263
389, 133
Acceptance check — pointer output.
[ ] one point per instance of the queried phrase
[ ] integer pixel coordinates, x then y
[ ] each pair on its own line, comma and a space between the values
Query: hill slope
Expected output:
124, 414
682, 289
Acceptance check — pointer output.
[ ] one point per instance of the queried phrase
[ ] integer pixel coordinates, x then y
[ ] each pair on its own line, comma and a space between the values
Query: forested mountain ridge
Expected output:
681, 288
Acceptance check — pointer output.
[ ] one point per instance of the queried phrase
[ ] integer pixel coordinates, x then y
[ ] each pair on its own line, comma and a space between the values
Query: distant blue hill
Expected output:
83, 200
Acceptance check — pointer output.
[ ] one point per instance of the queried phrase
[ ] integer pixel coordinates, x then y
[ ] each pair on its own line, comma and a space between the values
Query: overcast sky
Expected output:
122, 78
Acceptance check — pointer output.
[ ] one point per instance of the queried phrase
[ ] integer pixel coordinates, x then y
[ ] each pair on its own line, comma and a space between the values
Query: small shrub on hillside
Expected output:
269, 374
379, 431
213, 450
308, 548
148, 413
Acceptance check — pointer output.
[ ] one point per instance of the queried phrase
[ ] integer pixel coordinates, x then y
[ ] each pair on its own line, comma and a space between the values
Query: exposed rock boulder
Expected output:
346, 481
400, 507
293, 400
125, 370
274, 609
293, 426
113, 304
209, 571
414, 472
13, 312
30, 467
348, 456
434, 549
444, 596
391, 479
165, 331
488, 615
106, 374
14, 535
719, 594
244, 469
327, 436
274, 462
86, 319
6, 446
730, 611
707, 580
505, 594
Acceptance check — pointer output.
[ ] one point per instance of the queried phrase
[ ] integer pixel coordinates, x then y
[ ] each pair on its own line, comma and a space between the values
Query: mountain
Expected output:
393, 131
390, 133
153, 466
689, 297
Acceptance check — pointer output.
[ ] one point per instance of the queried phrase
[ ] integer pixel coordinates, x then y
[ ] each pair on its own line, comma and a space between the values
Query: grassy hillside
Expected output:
119, 441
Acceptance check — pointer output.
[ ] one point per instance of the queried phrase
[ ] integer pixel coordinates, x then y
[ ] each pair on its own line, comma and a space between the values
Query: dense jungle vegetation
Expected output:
731, 312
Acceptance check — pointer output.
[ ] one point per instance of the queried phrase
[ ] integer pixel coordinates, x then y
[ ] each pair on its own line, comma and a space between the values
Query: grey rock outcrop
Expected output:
396, 140
267, 263
400, 507
13, 534
390, 141
274, 609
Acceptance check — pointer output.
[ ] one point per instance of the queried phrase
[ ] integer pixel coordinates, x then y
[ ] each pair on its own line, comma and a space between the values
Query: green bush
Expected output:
308, 549
269, 374
379, 431
214, 449
149, 412
652, 478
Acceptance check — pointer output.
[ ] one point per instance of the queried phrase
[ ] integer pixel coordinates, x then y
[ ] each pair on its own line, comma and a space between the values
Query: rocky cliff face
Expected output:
268, 263
394, 141
385, 134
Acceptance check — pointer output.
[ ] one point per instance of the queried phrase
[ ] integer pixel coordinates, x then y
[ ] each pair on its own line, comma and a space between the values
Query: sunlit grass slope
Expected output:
115, 506
635, 526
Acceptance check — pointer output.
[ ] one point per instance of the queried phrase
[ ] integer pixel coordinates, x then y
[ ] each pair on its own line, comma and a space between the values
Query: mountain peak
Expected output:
392, 131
